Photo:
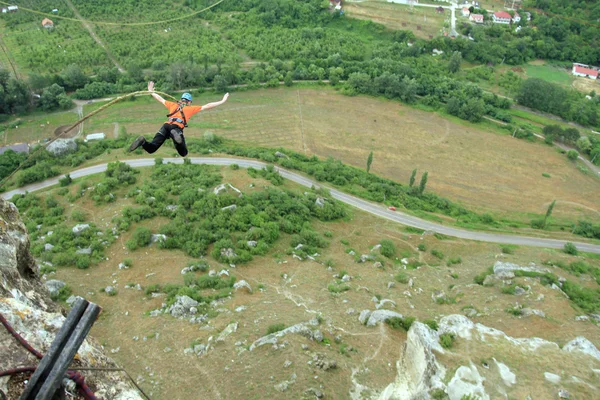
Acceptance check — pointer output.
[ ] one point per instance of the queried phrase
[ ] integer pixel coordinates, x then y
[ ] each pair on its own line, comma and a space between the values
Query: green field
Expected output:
550, 73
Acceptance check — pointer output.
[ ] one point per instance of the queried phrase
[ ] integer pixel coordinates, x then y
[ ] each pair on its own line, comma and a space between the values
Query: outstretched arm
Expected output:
215, 104
155, 95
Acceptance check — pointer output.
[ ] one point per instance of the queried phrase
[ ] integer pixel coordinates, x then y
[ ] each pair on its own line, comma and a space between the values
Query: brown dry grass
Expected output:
397, 16
586, 85
231, 372
466, 163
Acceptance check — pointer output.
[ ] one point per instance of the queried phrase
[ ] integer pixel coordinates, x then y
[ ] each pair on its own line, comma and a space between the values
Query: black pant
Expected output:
163, 134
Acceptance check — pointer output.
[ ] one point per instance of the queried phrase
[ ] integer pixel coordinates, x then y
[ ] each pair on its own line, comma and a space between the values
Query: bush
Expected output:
152, 289
572, 154
539, 223
507, 250
401, 277
400, 323
447, 340
570, 248
455, 260
63, 294
422, 247
337, 289
387, 248
275, 328
437, 254
432, 324
142, 236
65, 181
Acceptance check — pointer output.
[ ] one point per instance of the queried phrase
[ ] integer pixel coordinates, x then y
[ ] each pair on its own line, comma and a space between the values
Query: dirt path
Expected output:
116, 130
87, 26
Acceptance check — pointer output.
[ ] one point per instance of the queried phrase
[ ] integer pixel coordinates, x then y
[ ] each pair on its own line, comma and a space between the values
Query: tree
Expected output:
289, 79
584, 144
423, 183
412, 178
572, 155
54, 97
369, 161
455, 61
73, 77
549, 212
220, 83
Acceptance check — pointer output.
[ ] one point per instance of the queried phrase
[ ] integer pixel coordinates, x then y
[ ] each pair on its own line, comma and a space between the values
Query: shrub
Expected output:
447, 340
432, 324
545, 175
141, 237
401, 277
275, 328
507, 249
422, 247
570, 248
234, 167
63, 294
572, 154
152, 289
344, 242
65, 181
387, 248
128, 262
78, 216
481, 277
516, 310
400, 323
337, 289
455, 260
539, 223
437, 254
454, 275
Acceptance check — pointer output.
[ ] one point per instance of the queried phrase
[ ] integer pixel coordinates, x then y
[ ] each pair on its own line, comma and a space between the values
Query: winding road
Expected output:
372, 208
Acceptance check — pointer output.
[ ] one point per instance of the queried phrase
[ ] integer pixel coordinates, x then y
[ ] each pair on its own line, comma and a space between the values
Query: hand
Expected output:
151, 86
225, 98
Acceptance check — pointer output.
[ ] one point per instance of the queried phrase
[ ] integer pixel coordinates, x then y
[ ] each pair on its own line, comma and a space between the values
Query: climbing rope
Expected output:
118, 23
69, 129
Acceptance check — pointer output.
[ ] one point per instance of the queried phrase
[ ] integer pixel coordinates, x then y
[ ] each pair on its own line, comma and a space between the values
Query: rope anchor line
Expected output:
77, 123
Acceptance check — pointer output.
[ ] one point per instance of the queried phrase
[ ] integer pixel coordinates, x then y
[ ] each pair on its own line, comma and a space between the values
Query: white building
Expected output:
95, 136
501, 17
585, 71
465, 12
477, 18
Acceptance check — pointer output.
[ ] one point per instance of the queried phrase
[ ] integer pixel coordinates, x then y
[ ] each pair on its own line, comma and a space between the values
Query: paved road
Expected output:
373, 208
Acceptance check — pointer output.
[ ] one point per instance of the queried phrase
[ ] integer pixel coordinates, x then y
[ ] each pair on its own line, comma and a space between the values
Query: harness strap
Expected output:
183, 119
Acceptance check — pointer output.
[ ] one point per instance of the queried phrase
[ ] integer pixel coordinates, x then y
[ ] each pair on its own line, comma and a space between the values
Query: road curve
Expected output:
372, 208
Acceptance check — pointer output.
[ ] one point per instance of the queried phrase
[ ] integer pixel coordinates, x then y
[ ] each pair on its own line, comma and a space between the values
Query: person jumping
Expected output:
179, 114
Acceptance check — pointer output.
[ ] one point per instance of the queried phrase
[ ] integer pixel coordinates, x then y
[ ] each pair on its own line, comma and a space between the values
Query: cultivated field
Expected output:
423, 21
151, 349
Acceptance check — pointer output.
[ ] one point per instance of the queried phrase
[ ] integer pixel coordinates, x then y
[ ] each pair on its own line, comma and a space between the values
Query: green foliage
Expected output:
438, 394
401, 277
437, 253
413, 176
141, 237
570, 248
46, 269
423, 183
388, 249
369, 161
572, 155
335, 288
454, 260
454, 275
63, 294
65, 181
516, 310
422, 247
78, 216
215, 282
400, 323
432, 324
478, 279
447, 340
275, 328
155, 288
587, 229
507, 249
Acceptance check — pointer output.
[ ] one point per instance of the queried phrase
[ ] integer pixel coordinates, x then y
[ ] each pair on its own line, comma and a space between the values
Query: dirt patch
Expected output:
586, 85
60, 132
517, 69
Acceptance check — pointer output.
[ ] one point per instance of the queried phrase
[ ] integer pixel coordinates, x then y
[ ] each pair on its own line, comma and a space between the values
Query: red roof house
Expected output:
584, 70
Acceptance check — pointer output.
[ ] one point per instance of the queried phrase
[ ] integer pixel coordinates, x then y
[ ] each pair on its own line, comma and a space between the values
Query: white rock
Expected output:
364, 316
508, 377
231, 328
583, 345
77, 229
552, 378
380, 316
467, 382
242, 284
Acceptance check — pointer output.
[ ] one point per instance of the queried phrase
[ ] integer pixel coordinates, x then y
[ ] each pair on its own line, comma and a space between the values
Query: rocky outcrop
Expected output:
26, 305
60, 147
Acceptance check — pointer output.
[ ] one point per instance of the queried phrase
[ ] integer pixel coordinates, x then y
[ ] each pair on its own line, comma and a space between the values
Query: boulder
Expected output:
552, 378
54, 286
77, 229
530, 311
251, 243
229, 253
280, 155
159, 237
231, 328
60, 147
320, 202
86, 251
508, 377
229, 208
242, 284
506, 268
582, 345
364, 316
467, 382
48, 247
110, 290
383, 302
318, 335
299, 329
380, 316
321, 361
